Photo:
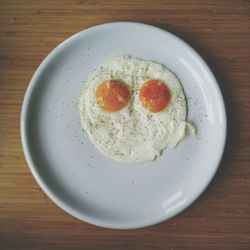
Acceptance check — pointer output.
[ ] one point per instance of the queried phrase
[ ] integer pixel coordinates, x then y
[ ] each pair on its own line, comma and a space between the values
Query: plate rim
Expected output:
31, 163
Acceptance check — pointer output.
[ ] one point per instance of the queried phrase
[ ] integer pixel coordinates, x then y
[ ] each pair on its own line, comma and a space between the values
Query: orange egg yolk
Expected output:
112, 95
155, 95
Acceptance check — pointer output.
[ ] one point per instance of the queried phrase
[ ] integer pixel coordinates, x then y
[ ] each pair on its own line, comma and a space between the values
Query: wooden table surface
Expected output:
219, 31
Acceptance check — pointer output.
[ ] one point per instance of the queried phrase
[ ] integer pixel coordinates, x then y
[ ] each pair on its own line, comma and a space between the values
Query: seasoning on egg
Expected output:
133, 109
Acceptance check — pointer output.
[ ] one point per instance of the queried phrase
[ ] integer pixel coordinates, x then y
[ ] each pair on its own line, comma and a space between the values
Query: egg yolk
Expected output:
155, 95
112, 95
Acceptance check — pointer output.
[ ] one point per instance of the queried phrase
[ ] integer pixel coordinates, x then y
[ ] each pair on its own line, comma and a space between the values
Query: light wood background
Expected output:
219, 31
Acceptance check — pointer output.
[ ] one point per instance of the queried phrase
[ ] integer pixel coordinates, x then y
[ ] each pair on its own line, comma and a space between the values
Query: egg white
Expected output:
133, 134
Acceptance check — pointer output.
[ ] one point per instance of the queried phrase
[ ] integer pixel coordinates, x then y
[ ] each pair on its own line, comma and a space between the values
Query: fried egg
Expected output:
132, 109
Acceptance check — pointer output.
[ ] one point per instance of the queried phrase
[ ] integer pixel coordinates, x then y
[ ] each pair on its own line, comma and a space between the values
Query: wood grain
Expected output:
219, 30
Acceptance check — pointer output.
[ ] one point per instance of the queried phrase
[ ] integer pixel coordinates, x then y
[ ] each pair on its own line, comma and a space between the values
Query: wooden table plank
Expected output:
219, 31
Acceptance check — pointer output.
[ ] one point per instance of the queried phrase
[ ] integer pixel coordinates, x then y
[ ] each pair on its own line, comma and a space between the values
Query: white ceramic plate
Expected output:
80, 179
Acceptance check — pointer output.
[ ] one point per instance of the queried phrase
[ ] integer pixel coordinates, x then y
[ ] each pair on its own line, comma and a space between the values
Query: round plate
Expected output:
79, 178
